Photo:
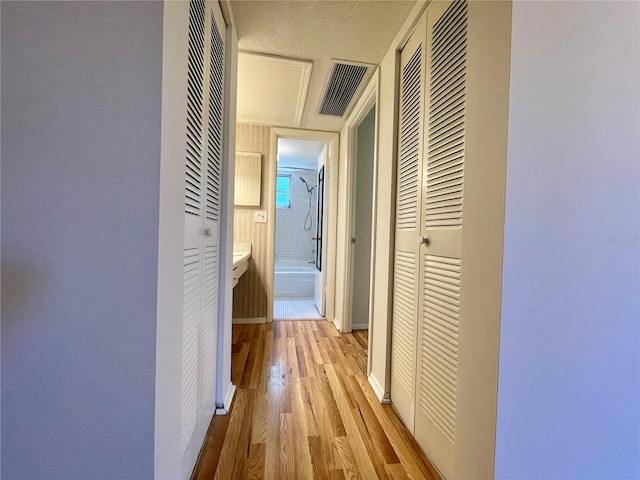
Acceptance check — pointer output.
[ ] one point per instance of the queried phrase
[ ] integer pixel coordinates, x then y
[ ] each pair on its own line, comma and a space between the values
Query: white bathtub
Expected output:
294, 279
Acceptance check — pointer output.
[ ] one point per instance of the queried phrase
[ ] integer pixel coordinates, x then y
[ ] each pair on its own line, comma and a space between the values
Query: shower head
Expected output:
309, 190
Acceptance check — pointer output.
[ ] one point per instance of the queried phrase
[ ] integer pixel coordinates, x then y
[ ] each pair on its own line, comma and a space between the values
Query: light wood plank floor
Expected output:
304, 409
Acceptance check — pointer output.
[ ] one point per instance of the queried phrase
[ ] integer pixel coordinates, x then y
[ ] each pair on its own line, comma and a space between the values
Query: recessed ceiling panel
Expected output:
272, 90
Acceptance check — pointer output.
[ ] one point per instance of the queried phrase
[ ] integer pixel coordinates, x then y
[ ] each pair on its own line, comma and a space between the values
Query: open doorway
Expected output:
319, 186
298, 239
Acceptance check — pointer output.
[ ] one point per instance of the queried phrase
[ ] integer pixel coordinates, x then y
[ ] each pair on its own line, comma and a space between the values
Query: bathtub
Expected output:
294, 279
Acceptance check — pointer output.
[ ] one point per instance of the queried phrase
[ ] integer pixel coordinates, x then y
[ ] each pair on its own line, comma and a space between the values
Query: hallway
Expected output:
304, 409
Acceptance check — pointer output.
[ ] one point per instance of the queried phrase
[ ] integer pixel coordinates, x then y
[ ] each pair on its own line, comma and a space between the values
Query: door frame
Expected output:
331, 184
368, 100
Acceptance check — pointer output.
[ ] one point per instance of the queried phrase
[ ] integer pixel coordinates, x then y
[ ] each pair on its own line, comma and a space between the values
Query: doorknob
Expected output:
423, 241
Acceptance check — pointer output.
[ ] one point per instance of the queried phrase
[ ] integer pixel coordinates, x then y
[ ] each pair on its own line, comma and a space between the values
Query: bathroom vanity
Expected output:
241, 256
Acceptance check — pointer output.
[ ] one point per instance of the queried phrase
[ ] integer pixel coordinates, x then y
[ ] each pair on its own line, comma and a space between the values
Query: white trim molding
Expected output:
225, 407
332, 140
346, 227
382, 396
337, 324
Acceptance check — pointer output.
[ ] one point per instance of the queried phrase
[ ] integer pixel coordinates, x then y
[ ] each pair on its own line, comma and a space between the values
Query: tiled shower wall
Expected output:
293, 243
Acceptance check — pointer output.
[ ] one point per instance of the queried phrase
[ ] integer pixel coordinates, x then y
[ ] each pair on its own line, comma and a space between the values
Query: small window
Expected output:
283, 197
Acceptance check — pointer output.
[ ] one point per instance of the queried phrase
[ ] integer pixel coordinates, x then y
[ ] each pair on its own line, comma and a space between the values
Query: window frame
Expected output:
288, 191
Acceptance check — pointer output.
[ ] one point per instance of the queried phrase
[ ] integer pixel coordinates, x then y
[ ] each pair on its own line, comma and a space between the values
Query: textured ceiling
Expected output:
314, 30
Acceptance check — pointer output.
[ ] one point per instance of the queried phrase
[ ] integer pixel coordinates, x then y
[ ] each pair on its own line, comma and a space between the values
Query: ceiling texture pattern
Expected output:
352, 30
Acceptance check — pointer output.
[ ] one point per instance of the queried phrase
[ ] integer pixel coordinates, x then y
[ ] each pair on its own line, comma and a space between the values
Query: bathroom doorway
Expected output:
298, 263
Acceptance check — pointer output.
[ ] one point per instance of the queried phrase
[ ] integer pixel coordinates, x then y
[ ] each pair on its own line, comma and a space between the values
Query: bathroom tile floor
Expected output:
295, 308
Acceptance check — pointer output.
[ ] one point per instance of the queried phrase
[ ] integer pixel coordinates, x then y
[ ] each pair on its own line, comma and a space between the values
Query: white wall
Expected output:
569, 391
81, 100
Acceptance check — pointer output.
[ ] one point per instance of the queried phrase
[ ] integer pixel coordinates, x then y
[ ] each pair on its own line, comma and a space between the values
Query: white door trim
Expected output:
331, 185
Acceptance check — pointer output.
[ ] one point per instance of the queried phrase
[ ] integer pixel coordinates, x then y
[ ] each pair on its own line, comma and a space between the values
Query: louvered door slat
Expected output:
445, 165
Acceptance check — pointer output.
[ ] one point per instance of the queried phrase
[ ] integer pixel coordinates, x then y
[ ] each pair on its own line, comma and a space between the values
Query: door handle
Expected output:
423, 241
353, 240
207, 232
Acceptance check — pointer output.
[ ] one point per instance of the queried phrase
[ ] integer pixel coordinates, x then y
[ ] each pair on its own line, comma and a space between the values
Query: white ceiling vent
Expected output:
344, 81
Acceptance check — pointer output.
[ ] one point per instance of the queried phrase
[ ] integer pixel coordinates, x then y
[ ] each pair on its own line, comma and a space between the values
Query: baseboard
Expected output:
383, 396
228, 399
360, 326
336, 323
246, 321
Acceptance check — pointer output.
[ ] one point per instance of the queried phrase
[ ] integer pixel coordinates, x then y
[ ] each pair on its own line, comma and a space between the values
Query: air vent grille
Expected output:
343, 83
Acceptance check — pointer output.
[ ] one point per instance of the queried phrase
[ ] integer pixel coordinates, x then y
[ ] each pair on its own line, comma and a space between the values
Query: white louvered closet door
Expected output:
407, 233
441, 225
212, 208
194, 214
203, 166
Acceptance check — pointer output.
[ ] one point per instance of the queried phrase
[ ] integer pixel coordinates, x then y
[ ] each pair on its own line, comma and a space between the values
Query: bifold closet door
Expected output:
429, 213
407, 232
212, 208
203, 171
441, 225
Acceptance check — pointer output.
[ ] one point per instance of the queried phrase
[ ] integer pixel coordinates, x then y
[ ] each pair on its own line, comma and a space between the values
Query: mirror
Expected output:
248, 179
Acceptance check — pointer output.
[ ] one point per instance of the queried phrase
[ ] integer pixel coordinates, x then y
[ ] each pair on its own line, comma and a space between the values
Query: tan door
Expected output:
407, 233
441, 226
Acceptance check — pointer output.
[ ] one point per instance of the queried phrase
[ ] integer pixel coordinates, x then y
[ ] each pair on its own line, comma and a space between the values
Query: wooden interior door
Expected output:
407, 232
441, 227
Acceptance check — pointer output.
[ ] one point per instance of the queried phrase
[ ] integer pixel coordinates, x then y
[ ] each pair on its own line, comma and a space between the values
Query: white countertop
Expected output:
240, 265
239, 257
